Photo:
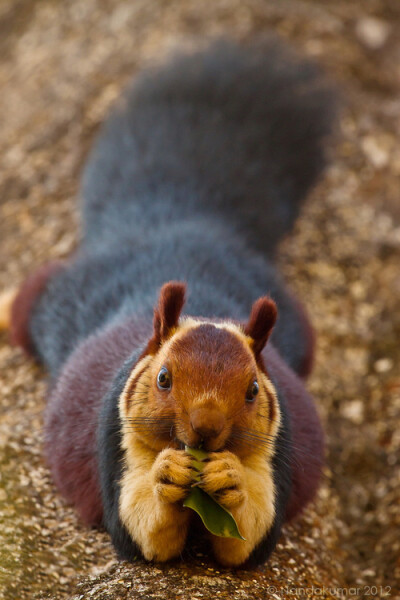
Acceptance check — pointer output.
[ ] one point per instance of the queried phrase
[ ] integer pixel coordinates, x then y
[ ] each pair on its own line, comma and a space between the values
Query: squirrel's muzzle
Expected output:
208, 422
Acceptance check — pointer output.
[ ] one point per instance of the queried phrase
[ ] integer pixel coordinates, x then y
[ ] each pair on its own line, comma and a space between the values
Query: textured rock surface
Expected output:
62, 65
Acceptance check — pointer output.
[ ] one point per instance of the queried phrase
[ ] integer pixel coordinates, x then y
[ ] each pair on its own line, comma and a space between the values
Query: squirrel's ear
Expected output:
261, 321
168, 310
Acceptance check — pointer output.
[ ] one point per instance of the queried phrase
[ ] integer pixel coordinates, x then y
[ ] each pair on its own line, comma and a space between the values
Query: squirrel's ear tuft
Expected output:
168, 310
262, 319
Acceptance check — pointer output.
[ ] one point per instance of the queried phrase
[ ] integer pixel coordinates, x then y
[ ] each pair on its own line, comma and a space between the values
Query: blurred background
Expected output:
62, 65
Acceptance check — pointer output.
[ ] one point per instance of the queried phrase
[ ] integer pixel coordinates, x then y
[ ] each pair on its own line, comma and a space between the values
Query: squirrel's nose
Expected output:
207, 422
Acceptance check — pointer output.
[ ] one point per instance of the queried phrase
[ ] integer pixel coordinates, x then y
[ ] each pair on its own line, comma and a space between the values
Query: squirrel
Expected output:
196, 176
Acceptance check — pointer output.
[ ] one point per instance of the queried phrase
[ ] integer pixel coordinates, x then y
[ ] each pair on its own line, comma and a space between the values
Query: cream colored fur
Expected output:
149, 508
251, 502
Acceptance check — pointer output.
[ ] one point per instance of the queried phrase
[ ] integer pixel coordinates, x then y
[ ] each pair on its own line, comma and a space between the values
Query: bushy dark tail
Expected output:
235, 129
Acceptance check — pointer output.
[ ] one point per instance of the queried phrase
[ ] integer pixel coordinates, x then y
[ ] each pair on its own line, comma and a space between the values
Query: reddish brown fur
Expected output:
271, 405
212, 371
133, 385
309, 341
306, 432
72, 413
166, 314
262, 319
23, 304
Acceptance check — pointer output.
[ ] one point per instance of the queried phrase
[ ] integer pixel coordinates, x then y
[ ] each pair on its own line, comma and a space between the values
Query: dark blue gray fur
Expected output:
196, 176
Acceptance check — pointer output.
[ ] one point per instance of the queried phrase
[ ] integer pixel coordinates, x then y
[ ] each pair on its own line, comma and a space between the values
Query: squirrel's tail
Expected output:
236, 129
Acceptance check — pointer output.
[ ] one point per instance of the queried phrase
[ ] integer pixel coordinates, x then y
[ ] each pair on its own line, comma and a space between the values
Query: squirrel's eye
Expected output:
252, 392
164, 381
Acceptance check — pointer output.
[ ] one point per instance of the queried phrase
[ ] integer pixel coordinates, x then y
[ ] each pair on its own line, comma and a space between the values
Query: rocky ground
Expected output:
62, 65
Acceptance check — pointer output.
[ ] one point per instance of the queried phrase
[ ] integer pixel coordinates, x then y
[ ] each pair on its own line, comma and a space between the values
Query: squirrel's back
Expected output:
236, 132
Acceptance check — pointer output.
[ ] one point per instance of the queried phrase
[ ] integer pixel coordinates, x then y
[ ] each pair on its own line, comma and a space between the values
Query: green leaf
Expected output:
198, 455
216, 519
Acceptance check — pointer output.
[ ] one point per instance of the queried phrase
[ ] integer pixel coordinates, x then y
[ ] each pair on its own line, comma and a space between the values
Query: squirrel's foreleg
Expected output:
151, 503
246, 489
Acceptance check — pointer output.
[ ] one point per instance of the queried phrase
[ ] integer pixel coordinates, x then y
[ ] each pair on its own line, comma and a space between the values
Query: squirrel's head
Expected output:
202, 382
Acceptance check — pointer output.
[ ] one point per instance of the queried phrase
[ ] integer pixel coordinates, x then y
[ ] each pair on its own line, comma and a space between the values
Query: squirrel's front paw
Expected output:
223, 478
173, 474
